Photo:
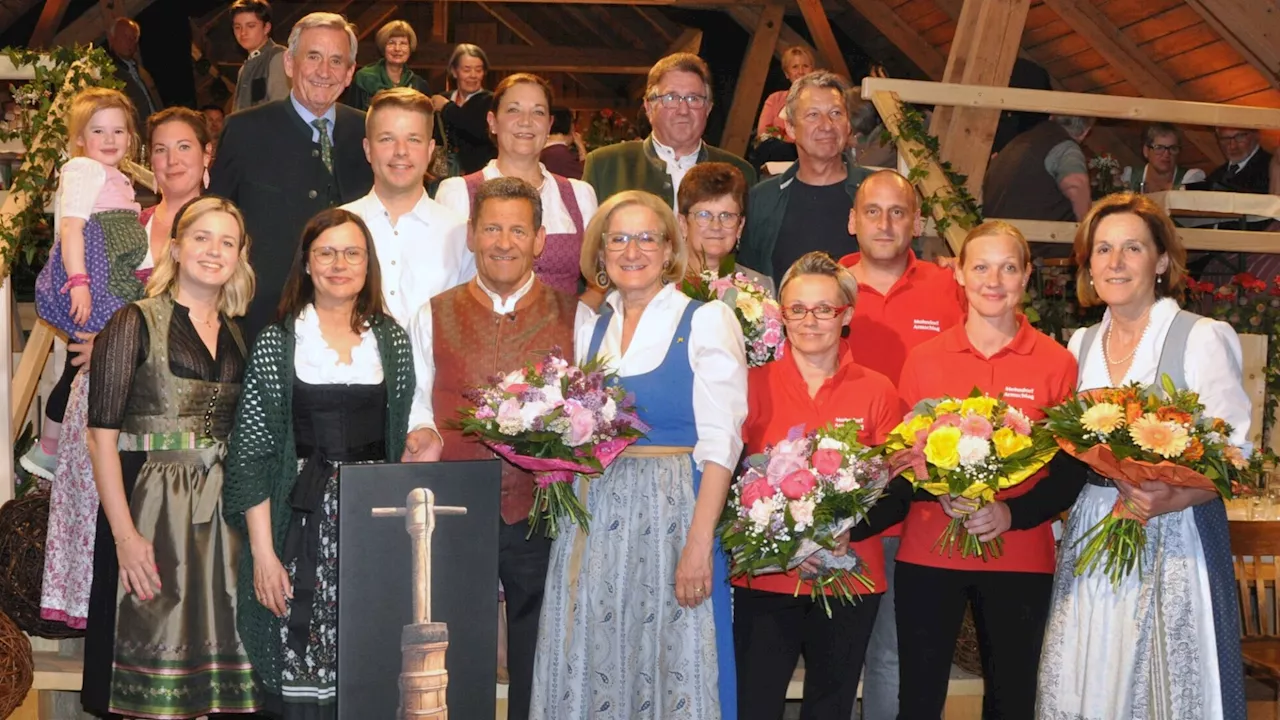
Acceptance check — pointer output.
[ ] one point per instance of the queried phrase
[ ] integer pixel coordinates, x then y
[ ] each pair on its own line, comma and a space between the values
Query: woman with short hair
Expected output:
712, 202
636, 617
396, 42
464, 112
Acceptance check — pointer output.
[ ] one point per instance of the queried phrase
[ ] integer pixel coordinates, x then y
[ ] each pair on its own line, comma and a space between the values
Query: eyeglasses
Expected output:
672, 99
327, 255
704, 217
1174, 149
822, 312
1236, 138
647, 241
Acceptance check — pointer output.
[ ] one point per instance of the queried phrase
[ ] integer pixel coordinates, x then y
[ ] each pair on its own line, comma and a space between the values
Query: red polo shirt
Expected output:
778, 400
1031, 372
923, 303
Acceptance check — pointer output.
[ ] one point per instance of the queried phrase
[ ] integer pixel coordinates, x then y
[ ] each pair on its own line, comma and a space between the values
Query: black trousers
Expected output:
522, 567
772, 630
56, 406
1009, 612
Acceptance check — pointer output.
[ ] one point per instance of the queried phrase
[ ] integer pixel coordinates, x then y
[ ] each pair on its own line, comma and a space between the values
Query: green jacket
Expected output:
636, 166
263, 465
766, 208
372, 78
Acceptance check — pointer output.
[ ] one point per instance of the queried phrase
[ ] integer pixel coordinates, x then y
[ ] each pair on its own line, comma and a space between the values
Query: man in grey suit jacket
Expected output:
284, 161
262, 77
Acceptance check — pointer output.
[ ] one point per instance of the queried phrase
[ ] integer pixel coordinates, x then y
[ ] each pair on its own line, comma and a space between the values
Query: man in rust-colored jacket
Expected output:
492, 325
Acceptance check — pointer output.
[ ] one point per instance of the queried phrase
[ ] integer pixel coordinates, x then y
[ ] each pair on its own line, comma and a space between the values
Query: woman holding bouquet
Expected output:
713, 195
1165, 642
997, 351
635, 621
815, 383
329, 383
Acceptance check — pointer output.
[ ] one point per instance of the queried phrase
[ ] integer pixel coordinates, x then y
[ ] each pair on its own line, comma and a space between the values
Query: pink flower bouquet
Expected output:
757, 313
792, 500
557, 421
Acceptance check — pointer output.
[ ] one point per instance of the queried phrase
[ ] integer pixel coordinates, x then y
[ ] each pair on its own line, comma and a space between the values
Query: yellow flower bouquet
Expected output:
1134, 434
972, 448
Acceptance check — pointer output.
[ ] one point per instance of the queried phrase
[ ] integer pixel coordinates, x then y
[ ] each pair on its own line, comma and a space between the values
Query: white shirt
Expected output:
1214, 365
318, 364
452, 193
423, 254
717, 353
676, 167
421, 335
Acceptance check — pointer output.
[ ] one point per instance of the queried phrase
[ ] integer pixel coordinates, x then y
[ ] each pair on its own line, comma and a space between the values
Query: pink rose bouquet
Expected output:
792, 500
757, 312
556, 420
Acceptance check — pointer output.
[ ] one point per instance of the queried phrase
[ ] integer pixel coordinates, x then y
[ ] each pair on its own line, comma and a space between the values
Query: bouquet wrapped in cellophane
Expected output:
1137, 433
795, 498
757, 313
556, 420
968, 448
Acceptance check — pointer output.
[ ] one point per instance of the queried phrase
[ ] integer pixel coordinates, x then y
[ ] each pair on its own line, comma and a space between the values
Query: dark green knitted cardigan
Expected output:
262, 463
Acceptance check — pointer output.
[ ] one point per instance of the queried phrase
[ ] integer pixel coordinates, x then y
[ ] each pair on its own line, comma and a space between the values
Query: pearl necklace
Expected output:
1106, 343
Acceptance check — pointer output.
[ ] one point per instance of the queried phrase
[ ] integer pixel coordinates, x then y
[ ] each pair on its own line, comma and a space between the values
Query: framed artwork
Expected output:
418, 589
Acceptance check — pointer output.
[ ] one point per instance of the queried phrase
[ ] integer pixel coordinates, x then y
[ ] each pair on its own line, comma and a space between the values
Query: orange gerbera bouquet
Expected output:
1134, 434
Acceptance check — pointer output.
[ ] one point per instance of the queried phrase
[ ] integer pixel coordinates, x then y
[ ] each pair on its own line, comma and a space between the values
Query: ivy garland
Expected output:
958, 205
28, 232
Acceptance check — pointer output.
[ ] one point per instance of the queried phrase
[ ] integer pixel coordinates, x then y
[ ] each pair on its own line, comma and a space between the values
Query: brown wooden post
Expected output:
815, 17
750, 87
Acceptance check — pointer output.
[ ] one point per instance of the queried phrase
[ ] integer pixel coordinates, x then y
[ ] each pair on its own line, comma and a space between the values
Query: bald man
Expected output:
122, 44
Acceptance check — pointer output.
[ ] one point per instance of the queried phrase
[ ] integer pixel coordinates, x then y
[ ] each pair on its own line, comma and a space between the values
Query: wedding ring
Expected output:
697, 591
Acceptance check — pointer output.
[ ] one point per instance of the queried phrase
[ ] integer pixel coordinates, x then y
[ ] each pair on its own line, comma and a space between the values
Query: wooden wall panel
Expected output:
935, 18
1127, 12
1063, 46
1176, 43
1091, 80
1075, 64
914, 10
1039, 15
1045, 34
1204, 60
941, 36
1171, 21
1225, 85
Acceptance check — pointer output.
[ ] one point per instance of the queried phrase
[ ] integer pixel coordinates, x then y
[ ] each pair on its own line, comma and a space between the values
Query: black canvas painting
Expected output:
398, 644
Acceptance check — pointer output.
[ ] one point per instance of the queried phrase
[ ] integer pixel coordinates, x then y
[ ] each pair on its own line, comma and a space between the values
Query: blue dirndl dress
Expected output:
613, 642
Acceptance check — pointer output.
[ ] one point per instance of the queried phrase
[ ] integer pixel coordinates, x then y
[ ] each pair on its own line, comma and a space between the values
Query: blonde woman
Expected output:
164, 382
635, 620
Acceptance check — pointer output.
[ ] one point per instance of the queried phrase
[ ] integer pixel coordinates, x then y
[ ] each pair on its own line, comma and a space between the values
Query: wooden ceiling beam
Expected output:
368, 22
666, 29
649, 3
815, 18
1130, 61
983, 51
606, 17
50, 19
750, 86
529, 34
917, 49
94, 23
1102, 140
748, 16
1252, 27
1181, 112
527, 58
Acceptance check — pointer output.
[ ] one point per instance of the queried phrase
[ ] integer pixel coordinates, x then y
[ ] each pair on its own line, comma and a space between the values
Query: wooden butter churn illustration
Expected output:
424, 679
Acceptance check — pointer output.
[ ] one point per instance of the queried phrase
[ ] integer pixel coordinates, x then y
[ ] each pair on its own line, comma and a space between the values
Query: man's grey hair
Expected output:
333, 21
1076, 126
507, 188
820, 79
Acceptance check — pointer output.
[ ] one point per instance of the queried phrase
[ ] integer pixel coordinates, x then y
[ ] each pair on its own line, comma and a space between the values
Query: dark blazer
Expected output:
269, 167
1253, 178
